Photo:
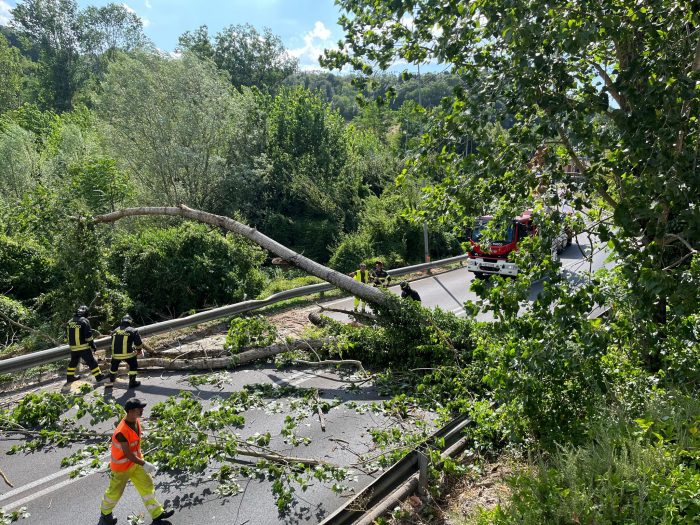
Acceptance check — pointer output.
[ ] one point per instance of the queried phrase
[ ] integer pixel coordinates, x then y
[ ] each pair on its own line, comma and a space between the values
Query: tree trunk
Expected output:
230, 361
342, 281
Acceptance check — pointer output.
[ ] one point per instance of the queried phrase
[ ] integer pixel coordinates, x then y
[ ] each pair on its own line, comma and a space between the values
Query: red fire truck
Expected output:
492, 259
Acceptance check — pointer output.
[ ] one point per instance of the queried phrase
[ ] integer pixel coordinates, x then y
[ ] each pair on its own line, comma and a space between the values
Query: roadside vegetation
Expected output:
593, 106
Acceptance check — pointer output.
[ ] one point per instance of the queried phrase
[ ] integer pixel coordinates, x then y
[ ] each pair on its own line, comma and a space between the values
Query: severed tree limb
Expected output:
229, 361
342, 281
29, 329
351, 362
319, 320
279, 458
4, 477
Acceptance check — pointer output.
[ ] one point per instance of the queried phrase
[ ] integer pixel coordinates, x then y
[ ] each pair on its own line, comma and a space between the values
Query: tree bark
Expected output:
231, 360
342, 281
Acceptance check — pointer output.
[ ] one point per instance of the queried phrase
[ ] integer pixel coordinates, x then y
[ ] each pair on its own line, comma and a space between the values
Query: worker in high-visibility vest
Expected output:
126, 340
82, 345
127, 464
362, 275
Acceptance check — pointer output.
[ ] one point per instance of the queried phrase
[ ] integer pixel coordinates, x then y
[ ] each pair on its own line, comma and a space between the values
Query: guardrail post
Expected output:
422, 474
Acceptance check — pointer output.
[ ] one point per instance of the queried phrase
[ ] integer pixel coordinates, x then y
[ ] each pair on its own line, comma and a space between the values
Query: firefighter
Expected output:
408, 293
126, 340
379, 276
362, 275
127, 464
82, 345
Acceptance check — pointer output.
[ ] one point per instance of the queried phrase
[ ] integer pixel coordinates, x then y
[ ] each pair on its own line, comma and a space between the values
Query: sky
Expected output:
306, 27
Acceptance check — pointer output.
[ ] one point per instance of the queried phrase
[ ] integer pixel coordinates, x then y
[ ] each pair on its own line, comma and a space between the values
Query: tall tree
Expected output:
169, 120
13, 67
50, 25
104, 30
309, 193
603, 88
66, 40
250, 58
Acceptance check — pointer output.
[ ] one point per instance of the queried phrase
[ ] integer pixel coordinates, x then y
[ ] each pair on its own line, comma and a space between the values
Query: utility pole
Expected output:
425, 224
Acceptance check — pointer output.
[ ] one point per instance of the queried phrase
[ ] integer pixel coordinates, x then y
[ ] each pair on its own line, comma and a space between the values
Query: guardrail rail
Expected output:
15, 364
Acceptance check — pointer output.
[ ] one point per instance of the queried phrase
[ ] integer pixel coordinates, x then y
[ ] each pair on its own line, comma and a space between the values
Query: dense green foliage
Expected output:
93, 119
249, 58
184, 268
589, 104
593, 104
253, 331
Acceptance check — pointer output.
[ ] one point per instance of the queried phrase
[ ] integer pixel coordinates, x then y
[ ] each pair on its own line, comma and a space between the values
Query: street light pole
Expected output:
425, 224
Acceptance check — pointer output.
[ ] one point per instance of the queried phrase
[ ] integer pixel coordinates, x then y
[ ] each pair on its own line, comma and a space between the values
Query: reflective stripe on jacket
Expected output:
119, 461
381, 278
79, 334
124, 340
362, 276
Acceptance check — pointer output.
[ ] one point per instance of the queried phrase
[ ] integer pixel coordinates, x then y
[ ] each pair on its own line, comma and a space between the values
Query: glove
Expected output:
149, 467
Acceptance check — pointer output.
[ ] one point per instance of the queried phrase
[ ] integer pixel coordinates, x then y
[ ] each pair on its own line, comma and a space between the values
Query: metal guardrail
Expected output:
15, 364
372, 495
379, 496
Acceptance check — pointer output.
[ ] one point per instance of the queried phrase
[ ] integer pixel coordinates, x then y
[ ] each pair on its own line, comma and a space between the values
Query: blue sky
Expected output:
305, 26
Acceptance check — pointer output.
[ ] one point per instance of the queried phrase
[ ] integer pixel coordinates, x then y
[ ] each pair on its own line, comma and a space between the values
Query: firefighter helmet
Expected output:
403, 285
127, 319
82, 311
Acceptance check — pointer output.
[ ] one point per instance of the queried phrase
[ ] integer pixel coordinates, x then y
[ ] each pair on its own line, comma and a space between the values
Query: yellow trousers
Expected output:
143, 483
359, 302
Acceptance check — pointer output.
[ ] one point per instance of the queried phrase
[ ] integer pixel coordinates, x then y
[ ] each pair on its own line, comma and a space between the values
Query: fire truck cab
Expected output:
492, 259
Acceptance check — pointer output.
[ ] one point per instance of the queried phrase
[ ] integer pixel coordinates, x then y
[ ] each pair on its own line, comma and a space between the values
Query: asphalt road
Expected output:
53, 498
450, 290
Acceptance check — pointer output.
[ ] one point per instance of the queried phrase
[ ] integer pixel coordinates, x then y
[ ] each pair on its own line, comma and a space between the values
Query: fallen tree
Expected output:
201, 360
342, 281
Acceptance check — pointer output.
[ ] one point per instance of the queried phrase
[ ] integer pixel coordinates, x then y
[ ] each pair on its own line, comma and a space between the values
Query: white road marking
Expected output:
48, 490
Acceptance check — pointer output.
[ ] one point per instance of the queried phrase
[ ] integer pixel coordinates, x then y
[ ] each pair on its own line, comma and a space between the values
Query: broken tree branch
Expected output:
340, 362
29, 329
4, 477
230, 361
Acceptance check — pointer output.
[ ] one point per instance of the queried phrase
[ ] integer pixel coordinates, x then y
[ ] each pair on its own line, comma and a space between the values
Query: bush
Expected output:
310, 236
9, 333
173, 270
25, 268
280, 283
386, 234
642, 472
249, 331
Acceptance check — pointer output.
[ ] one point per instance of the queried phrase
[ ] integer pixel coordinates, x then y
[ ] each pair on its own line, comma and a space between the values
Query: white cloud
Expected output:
148, 4
5, 15
145, 21
315, 42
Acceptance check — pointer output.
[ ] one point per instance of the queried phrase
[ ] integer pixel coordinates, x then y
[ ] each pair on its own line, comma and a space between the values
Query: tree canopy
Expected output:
609, 91
249, 57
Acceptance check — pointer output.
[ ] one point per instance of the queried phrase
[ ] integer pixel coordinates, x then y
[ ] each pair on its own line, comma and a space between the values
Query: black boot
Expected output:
133, 383
164, 516
107, 519
70, 379
99, 378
